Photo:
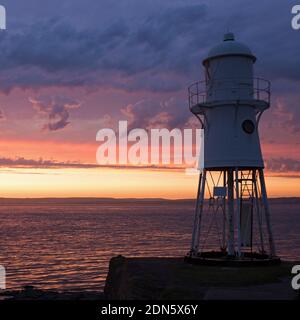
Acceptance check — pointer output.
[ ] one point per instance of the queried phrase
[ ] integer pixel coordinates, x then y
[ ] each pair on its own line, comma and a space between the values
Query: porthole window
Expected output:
248, 126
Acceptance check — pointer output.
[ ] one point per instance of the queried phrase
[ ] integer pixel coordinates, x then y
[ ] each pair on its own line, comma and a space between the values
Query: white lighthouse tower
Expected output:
232, 219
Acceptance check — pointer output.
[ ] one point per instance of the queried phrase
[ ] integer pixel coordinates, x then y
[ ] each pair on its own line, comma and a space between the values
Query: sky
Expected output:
72, 67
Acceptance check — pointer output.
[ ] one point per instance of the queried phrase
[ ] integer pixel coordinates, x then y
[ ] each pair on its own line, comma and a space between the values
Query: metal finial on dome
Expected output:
229, 36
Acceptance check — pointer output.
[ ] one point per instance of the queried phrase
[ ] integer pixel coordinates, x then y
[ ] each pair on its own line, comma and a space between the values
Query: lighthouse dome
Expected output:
229, 47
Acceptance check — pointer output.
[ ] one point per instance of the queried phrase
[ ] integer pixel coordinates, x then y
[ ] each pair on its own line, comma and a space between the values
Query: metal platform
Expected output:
220, 258
258, 89
200, 108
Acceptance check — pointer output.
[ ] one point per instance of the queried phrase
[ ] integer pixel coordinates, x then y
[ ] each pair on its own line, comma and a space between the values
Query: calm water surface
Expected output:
68, 247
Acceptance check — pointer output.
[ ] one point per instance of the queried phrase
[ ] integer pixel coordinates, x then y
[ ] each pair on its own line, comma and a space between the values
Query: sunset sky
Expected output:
72, 67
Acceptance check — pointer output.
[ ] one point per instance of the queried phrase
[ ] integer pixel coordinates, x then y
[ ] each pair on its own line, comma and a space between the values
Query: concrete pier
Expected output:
172, 278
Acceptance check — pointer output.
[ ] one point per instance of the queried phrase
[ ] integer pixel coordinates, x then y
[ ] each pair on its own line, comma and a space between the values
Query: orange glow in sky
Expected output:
117, 183
97, 181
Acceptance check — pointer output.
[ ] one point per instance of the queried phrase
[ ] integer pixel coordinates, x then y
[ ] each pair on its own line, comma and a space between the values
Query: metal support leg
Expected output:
198, 213
267, 211
224, 214
238, 212
259, 221
230, 214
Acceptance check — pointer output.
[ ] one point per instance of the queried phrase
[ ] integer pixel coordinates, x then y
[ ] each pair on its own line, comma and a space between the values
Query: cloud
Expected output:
41, 163
283, 165
286, 118
56, 109
281, 122
156, 49
2, 116
55, 52
147, 114
52, 164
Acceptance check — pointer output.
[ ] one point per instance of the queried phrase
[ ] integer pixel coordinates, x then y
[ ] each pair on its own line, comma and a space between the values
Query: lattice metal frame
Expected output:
217, 224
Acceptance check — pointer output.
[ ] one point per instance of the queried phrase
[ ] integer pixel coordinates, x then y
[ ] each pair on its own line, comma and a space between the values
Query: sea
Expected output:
66, 244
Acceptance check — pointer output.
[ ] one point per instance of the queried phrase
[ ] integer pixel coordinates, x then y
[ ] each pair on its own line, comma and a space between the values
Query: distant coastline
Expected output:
95, 200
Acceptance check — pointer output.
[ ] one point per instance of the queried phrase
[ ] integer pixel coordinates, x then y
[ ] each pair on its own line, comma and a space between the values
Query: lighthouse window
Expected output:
248, 126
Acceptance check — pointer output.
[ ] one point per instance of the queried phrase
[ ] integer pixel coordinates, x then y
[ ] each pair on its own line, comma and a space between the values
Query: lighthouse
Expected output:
232, 218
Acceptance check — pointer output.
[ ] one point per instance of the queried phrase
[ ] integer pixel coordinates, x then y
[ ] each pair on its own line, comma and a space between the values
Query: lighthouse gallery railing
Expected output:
199, 91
